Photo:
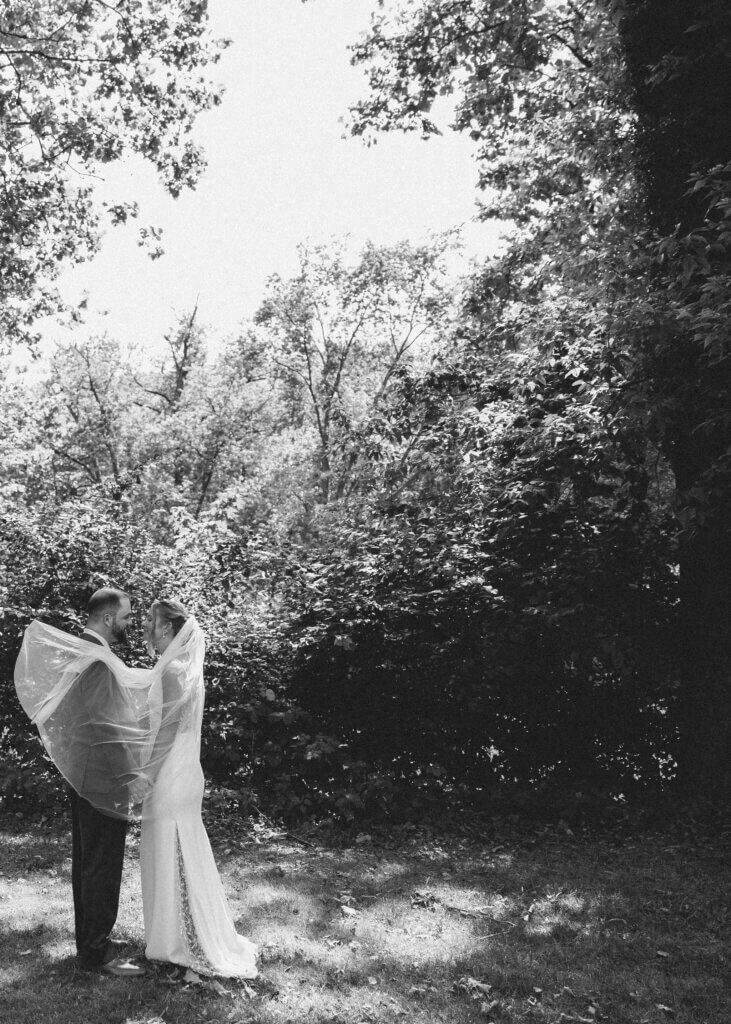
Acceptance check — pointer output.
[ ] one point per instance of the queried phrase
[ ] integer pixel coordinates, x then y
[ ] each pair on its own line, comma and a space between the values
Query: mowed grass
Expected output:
520, 924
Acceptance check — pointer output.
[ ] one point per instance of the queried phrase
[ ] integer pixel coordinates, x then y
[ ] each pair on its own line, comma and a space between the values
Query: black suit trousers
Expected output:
96, 877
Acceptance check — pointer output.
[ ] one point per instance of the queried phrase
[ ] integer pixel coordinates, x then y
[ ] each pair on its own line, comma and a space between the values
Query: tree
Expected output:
499, 599
185, 350
82, 84
593, 116
81, 418
340, 328
678, 61
204, 417
92, 422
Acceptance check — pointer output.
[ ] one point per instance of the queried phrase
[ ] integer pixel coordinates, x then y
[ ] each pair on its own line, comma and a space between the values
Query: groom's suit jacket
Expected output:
102, 713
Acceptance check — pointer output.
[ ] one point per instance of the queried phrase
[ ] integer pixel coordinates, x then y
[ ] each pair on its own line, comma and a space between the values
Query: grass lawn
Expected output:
526, 923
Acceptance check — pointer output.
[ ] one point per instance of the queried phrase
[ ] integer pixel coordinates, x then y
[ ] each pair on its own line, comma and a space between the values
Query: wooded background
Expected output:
446, 541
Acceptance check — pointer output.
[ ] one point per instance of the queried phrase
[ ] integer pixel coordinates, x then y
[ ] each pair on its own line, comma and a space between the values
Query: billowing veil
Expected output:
109, 728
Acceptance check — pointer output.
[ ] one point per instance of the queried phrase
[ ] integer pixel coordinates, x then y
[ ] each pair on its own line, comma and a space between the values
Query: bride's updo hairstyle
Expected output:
170, 611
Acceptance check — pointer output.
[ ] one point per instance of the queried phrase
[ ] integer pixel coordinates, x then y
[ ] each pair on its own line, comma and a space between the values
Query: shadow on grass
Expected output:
570, 927
38, 993
460, 932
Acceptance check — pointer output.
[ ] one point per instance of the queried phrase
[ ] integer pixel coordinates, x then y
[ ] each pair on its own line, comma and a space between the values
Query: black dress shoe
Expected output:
121, 968
118, 966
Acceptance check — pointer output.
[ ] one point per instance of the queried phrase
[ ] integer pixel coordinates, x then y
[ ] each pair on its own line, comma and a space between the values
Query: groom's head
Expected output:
109, 613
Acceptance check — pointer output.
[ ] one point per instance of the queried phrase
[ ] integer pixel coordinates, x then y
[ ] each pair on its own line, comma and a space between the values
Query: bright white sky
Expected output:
279, 172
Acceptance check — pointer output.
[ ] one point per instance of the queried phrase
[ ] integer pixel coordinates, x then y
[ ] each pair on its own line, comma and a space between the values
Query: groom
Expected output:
98, 839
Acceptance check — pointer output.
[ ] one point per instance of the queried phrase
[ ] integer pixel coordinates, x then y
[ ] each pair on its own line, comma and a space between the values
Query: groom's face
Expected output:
121, 619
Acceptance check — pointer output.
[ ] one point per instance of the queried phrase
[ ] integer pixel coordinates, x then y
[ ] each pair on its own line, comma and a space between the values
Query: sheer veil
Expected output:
104, 725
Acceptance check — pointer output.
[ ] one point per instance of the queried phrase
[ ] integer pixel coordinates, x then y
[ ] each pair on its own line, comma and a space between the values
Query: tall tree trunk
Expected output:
684, 125
705, 695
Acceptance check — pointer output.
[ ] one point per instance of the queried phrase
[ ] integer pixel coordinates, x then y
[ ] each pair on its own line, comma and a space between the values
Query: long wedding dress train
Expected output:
187, 918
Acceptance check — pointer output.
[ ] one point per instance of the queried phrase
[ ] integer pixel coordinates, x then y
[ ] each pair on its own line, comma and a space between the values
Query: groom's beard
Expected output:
121, 639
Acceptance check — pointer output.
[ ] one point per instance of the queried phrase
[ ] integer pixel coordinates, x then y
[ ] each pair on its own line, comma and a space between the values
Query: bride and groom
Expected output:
127, 741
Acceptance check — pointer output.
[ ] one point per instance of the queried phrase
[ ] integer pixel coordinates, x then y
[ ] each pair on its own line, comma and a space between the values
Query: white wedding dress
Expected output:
187, 919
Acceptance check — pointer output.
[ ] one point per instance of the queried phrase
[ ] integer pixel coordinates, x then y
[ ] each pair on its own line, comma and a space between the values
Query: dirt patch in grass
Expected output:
525, 924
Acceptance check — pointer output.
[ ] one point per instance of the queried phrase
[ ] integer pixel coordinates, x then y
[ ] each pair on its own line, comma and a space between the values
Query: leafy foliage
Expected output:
339, 330
442, 540
82, 84
499, 607
594, 116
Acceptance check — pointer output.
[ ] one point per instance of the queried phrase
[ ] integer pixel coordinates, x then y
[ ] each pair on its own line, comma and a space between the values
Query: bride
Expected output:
143, 728
187, 920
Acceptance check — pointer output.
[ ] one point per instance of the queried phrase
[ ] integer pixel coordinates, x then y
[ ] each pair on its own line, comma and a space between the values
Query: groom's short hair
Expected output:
107, 599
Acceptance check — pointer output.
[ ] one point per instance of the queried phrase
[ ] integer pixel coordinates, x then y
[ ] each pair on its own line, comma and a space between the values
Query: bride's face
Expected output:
158, 633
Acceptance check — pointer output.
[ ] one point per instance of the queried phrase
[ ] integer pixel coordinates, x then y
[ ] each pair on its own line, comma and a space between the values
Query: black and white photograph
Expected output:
365, 511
